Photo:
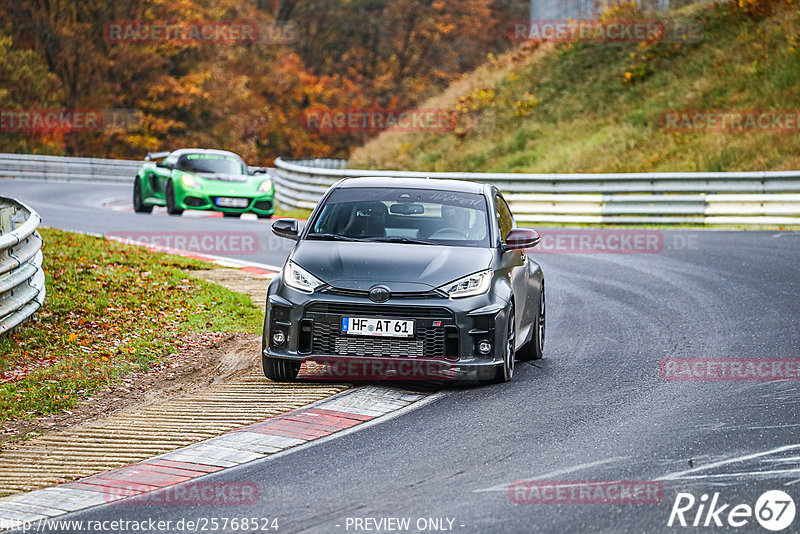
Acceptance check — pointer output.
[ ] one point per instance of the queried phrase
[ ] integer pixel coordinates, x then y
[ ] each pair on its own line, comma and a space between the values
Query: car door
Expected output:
161, 175
517, 262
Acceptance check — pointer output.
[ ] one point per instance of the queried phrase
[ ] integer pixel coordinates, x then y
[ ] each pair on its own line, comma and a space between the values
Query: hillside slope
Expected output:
600, 107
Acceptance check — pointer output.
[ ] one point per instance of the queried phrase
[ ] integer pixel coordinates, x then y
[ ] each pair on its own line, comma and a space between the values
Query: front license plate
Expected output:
231, 202
364, 326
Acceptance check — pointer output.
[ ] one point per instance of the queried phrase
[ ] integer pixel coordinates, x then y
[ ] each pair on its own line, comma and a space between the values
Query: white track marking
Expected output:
558, 472
682, 474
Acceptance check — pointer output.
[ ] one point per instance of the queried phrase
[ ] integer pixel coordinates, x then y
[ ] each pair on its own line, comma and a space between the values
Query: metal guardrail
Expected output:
62, 168
748, 198
22, 288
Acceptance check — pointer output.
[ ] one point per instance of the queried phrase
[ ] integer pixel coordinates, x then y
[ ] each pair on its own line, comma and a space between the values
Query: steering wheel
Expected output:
447, 233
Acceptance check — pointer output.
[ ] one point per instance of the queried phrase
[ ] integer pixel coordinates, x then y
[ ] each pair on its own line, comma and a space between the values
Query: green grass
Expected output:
292, 213
111, 310
598, 107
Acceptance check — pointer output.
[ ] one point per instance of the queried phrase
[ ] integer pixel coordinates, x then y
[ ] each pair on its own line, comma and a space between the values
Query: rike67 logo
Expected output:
774, 510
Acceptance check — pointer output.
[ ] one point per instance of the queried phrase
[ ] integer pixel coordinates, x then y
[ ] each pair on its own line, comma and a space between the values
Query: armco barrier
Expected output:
629, 198
747, 198
61, 168
22, 289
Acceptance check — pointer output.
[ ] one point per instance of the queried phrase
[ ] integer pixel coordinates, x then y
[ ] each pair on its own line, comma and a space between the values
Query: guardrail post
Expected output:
6, 223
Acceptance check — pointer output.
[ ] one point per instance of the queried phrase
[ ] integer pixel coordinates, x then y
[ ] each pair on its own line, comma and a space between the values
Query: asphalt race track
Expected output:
106, 209
596, 408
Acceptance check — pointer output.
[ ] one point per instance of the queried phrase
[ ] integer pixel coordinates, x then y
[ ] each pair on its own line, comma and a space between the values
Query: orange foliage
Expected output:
249, 98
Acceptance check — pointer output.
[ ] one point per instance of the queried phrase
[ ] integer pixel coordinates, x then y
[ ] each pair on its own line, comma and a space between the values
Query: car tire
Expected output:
534, 349
231, 215
505, 372
138, 202
280, 370
172, 209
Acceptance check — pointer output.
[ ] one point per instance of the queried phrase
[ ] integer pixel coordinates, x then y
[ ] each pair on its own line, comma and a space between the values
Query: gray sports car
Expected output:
403, 271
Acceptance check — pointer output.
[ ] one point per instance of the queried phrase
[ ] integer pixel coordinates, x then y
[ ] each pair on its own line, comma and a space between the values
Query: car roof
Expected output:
182, 151
460, 186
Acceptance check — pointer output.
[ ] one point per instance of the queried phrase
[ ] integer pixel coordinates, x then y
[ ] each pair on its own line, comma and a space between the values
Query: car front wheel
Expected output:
138, 202
280, 370
172, 208
505, 372
533, 349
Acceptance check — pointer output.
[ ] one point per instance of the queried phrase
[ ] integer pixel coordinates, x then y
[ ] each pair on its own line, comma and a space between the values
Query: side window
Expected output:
172, 161
505, 220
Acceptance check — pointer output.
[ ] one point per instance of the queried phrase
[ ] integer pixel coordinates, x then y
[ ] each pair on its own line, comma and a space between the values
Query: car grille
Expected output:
328, 339
430, 339
194, 201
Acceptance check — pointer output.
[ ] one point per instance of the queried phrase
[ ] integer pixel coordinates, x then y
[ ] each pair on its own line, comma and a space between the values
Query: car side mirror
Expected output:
521, 238
288, 228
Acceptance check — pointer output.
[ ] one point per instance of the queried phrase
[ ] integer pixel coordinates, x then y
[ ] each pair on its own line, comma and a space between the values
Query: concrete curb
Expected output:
253, 442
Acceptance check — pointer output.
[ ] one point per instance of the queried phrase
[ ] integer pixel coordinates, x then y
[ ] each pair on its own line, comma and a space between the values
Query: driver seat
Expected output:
367, 219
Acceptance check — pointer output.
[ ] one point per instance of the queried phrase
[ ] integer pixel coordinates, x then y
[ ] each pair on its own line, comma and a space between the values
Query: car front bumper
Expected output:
262, 203
445, 344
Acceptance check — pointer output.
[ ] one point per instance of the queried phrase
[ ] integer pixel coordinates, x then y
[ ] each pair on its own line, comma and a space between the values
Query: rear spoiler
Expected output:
156, 155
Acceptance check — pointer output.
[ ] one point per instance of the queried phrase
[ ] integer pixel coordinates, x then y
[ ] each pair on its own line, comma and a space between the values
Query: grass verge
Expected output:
598, 107
111, 310
292, 213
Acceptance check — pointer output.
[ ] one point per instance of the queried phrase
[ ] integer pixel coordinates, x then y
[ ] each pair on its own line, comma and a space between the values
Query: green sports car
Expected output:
202, 179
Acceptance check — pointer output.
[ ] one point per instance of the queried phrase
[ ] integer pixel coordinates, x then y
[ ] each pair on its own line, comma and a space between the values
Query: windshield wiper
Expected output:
337, 237
410, 240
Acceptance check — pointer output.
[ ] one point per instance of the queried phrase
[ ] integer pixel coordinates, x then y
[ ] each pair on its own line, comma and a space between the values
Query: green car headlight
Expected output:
265, 187
189, 181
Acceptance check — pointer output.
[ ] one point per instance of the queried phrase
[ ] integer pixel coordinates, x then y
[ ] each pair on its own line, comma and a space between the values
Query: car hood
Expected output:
400, 266
222, 177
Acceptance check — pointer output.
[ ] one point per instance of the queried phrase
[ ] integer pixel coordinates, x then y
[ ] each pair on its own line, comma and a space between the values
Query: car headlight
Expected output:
469, 286
298, 278
266, 186
189, 181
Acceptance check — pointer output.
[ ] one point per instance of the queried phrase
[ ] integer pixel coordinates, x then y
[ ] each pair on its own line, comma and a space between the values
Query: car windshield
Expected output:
211, 163
423, 216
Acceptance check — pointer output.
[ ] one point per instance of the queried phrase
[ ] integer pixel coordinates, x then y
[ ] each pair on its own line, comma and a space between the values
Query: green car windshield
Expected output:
211, 164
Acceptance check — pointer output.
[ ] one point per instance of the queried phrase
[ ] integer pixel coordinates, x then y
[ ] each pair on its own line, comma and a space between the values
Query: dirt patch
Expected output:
202, 361
253, 285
